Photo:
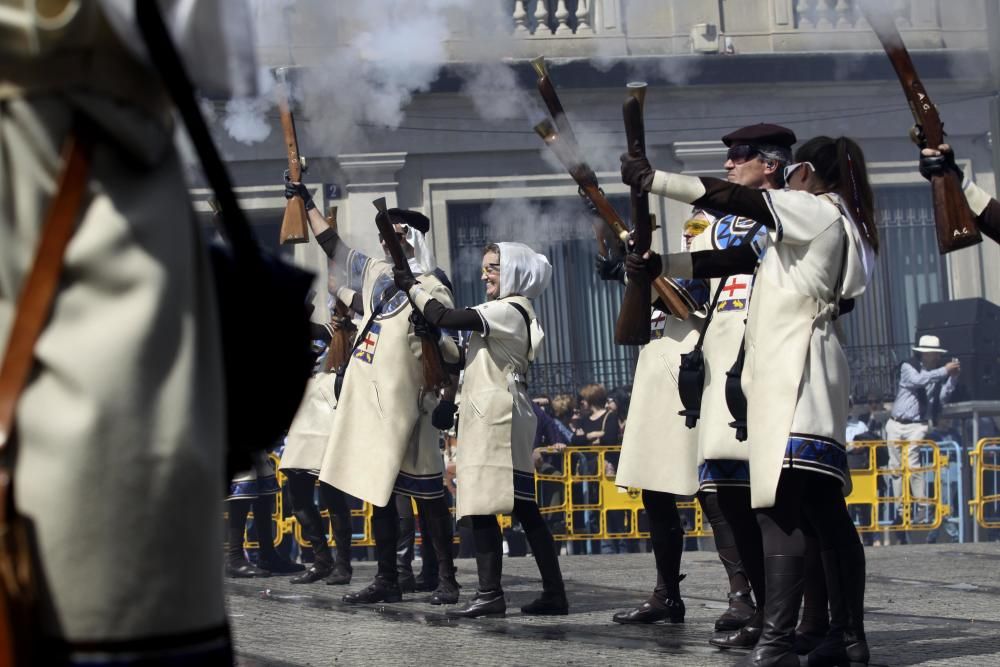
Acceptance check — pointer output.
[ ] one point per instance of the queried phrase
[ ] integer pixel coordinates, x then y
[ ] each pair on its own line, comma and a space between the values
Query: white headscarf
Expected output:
522, 271
423, 256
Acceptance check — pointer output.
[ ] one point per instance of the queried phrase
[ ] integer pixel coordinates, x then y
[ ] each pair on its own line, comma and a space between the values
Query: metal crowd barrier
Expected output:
579, 499
902, 497
985, 461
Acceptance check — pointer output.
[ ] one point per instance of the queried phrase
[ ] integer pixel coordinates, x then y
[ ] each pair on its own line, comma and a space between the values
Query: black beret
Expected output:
762, 133
402, 216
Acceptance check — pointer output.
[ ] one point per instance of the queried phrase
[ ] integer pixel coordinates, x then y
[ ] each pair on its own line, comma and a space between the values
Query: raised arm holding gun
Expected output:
293, 225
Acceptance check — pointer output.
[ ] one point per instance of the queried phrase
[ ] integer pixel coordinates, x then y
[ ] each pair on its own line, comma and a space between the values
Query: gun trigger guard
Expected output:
917, 136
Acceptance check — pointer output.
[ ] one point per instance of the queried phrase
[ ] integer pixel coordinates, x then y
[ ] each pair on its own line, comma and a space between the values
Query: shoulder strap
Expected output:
38, 293
527, 321
718, 292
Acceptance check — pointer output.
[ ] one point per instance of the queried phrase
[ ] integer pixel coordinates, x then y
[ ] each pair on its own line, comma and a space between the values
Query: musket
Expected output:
339, 349
294, 226
548, 92
435, 376
955, 223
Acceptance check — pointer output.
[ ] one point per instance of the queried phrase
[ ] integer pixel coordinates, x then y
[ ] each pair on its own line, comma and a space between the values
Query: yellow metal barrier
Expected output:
579, 499
886, 497
985, 460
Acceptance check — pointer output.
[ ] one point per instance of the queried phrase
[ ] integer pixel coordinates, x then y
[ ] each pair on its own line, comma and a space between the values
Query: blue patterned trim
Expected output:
420, 486
524, 485
252, 488
714, 473
812, 452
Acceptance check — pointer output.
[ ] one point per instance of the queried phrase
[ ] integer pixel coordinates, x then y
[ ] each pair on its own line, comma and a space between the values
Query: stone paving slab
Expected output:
926, 605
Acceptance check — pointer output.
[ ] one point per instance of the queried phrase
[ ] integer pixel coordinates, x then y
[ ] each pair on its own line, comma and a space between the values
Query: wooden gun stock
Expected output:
295, 224
341, 339
435, 375
632, 327
955, 223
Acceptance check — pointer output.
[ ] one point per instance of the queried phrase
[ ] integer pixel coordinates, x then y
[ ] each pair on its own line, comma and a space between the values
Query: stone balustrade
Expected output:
552, 18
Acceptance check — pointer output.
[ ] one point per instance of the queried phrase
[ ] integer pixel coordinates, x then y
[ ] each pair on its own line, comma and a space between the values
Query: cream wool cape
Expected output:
716, 439
124, 408
659, 453
815, 256
306, 441
378, 423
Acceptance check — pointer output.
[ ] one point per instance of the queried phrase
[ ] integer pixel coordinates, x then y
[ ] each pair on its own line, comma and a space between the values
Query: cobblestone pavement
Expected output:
926, 605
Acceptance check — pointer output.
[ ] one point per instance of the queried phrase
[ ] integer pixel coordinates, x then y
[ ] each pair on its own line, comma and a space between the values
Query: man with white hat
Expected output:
924, 385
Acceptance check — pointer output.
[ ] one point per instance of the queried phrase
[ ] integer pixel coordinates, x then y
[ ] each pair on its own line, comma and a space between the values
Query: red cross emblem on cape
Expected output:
734, 294
366, 347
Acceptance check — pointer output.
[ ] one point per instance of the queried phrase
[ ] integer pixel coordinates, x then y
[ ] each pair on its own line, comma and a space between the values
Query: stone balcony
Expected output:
613, 29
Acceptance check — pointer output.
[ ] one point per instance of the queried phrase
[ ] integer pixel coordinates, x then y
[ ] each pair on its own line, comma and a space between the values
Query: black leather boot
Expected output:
342, 571
814, 623
322, 565
427, 578
385, 587
237, 566
784, 577
552, 601
741, 609
845, 644
485, 603
404, 552
267, 557
745, 637
438, 539
665, 604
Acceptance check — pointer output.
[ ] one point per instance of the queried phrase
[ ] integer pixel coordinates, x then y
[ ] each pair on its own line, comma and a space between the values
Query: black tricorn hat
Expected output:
762, 133
402, 216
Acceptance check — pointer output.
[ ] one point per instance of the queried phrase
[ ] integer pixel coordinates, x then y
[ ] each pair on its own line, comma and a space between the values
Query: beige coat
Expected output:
381, 403
496, 425
659, 452
121, 426
814, 257
312, 425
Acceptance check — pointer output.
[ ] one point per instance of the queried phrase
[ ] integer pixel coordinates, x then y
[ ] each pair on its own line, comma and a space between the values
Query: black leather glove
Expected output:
403, 278
637, 172
638, 268
422, 328
300, 189
610, 268
939, 165
443, 417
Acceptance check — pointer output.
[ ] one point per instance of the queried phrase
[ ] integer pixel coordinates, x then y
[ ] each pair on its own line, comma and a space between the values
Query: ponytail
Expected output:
840, 164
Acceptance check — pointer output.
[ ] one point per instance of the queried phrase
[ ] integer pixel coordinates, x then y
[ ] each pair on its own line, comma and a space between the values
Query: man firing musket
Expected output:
385, 436
562, 141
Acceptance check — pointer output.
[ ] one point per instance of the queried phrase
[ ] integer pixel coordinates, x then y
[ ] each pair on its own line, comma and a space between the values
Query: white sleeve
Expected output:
502, 320
799, 216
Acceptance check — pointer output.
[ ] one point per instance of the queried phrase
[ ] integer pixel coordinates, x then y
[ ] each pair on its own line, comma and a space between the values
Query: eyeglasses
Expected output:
790, 169
741, 153
489, 269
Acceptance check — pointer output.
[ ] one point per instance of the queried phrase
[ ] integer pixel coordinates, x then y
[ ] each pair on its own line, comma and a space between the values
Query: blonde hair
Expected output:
594, 394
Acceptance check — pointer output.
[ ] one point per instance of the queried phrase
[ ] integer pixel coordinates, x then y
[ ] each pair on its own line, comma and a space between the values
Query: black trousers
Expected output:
737, 538
489, 547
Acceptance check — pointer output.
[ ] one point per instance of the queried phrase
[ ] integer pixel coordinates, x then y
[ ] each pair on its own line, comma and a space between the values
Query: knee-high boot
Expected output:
268, 558
436, 520
385, 587
489, 599
236, 563
814, 623
406, 544
335, 502
302, 492
553, 601
427, 578
668, 547
784, 577
845, 644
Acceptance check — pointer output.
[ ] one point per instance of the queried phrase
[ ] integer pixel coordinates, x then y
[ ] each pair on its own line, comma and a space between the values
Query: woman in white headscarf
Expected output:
496, 425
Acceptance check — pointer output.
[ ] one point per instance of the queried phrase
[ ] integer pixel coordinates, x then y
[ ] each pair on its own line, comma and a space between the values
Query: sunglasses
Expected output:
741, 153
489, 269
790, 169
